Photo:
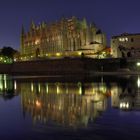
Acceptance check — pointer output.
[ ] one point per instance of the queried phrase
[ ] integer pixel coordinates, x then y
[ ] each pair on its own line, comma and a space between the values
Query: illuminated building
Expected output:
125, 45
67, 37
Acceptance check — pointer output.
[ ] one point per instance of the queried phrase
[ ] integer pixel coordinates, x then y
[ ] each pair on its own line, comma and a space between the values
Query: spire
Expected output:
32, 25
43, 24
84, 23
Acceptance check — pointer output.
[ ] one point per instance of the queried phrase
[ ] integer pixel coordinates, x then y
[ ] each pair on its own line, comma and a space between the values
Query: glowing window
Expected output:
120, 39
37, 41
123, 39
126, 39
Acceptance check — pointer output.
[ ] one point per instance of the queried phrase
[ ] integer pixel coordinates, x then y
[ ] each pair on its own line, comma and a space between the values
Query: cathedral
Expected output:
64, 38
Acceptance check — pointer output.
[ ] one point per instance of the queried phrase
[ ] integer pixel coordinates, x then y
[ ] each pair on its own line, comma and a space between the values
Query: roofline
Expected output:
125, 35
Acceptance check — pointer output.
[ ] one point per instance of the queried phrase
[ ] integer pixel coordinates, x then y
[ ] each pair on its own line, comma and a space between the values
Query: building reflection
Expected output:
6, 87
125, 95
67, 104
76, 104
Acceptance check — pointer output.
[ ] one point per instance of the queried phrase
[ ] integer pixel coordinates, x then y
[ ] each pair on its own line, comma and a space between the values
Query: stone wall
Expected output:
49, 67
67, 66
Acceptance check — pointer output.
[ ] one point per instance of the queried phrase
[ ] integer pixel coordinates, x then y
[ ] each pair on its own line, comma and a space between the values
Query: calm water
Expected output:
104, 108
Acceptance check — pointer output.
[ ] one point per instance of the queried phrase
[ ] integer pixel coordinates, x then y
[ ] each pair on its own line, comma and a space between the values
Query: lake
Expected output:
100, 108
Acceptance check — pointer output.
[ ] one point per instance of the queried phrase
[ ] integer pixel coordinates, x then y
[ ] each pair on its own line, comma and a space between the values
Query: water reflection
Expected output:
73, 104
6, 87
67, 104
126, 94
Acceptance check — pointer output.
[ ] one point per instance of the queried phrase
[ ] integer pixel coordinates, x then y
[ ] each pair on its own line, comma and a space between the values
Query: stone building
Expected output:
67, 37
125, 45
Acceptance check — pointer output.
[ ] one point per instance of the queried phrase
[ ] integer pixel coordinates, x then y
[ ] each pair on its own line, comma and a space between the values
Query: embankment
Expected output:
67, 66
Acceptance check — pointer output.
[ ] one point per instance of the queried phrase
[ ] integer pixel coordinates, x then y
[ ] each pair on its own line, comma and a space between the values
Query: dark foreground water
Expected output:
102, 108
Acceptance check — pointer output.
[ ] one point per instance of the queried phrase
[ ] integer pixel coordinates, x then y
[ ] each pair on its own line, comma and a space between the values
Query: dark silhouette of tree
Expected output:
8, 51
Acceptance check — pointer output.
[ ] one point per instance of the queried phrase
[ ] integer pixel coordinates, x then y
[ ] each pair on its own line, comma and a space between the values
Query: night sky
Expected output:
112, 16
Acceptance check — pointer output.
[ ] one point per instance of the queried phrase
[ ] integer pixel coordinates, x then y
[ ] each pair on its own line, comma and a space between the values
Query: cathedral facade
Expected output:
67, 37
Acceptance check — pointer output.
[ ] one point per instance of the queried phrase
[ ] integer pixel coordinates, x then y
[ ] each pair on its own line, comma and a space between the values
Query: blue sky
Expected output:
113, 17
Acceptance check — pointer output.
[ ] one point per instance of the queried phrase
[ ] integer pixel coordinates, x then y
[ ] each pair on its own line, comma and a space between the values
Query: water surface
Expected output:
102, 108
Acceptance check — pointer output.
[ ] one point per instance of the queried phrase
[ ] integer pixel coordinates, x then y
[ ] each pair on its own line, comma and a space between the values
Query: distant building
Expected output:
67, 37
125, 45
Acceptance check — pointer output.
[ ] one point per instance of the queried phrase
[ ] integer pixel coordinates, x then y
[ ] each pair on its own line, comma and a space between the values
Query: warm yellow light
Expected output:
37, 42
138, 82
39, 88
47, 88
58, 89
5, 84
138, 63
124, 105
58, 54
80, 88
32, 87
15, 85
121, 105
127, 105
126, 39
123, 39
38, 104
1, 85
79, 53
59, 107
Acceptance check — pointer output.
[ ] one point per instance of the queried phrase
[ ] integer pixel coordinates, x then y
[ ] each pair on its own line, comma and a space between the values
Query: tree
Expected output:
8, 51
